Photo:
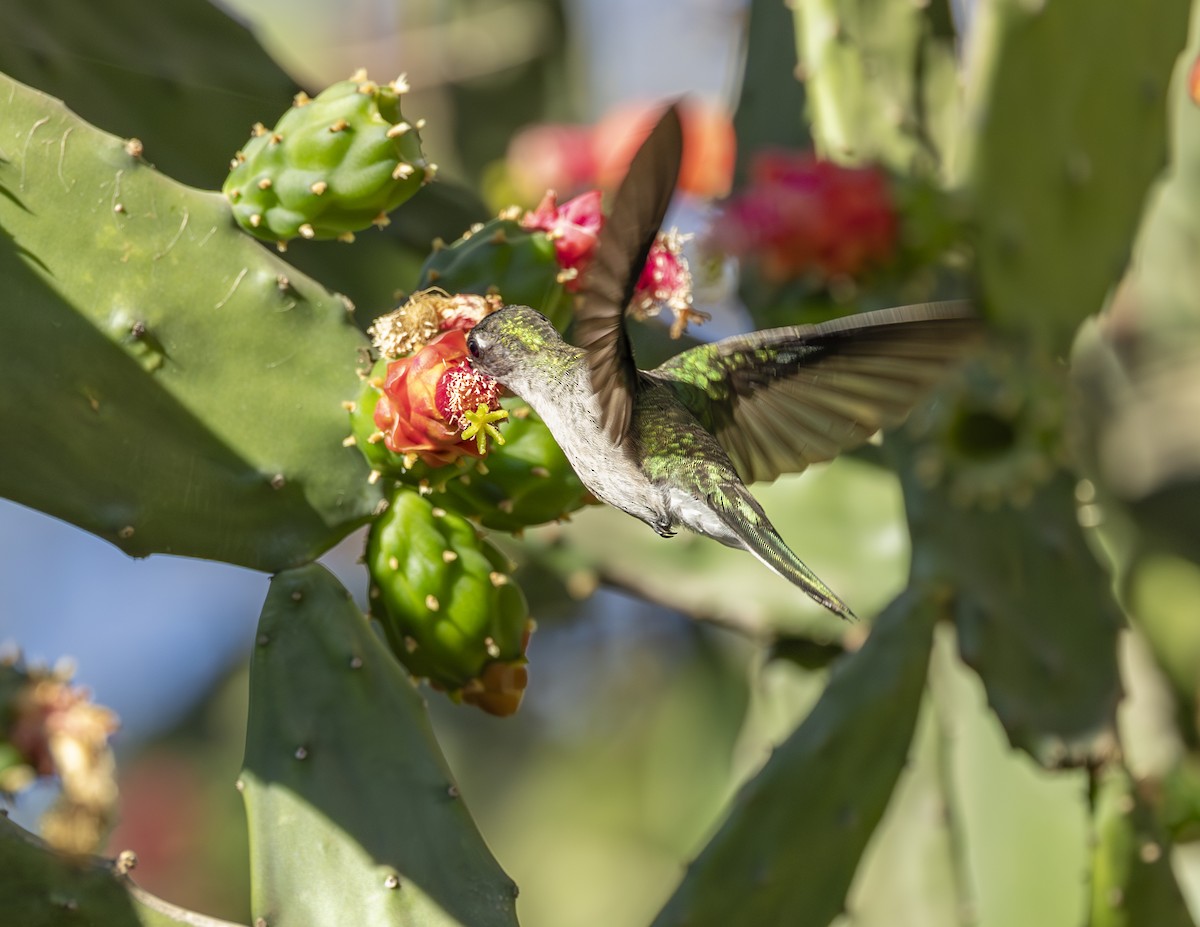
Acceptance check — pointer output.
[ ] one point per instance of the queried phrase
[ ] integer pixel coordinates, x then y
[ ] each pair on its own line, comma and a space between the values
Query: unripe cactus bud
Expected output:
332, 166
502, 257
526, 482
449, 610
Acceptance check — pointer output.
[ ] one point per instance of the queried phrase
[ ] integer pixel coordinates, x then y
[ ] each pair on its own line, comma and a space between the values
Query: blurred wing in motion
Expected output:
781, 399
608, 283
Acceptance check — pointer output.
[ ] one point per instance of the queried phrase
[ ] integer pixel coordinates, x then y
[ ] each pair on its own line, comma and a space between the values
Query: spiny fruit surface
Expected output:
332, 166
524, 482
502, 257
448, 608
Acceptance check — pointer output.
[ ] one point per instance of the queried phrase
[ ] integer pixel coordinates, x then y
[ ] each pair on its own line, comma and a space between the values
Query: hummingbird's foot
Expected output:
481, 425
663, 528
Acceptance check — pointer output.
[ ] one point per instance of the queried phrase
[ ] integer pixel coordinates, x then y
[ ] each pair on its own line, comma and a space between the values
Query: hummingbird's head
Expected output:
512, 343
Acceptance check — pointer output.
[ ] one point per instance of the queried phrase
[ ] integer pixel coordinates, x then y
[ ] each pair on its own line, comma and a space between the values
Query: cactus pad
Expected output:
354, 816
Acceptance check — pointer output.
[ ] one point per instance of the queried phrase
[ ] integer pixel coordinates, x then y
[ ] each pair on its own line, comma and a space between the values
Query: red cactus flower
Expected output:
666, 280
802, 215
574, 227
430, 397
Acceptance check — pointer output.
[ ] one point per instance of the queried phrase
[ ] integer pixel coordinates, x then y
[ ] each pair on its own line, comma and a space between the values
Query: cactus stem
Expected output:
449, 556
432, 603
348, 441
319, 187
307, 231
400, 128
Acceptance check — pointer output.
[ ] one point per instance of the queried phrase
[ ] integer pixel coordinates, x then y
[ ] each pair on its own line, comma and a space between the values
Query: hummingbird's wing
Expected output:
780, 399
608, 283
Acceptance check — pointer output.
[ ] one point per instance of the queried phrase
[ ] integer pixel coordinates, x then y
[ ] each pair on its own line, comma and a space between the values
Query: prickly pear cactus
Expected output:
447, 604
333, 165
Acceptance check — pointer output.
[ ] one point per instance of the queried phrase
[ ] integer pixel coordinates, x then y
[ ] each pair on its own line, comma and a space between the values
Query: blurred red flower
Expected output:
801, 215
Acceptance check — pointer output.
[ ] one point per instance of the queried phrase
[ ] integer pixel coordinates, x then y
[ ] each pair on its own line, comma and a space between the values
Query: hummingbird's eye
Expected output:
472, 345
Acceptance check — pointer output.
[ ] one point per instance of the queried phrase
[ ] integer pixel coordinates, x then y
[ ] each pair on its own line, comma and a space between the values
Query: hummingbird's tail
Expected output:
744, 517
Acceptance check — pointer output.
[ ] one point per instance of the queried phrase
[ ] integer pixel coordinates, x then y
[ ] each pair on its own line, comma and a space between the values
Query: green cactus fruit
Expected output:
448, 608
503, 257
332, 166
524, 482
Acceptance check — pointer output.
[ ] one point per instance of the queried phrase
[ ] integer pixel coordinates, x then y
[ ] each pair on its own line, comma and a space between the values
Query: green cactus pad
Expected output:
502, 257
42, 888
792, 842
169, 385
332, 166
881, 81
447, 605
1035, 615
1063, 135
1132, 881
354, 816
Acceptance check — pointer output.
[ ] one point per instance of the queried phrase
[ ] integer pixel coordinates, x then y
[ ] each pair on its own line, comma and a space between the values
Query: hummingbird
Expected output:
675, 446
